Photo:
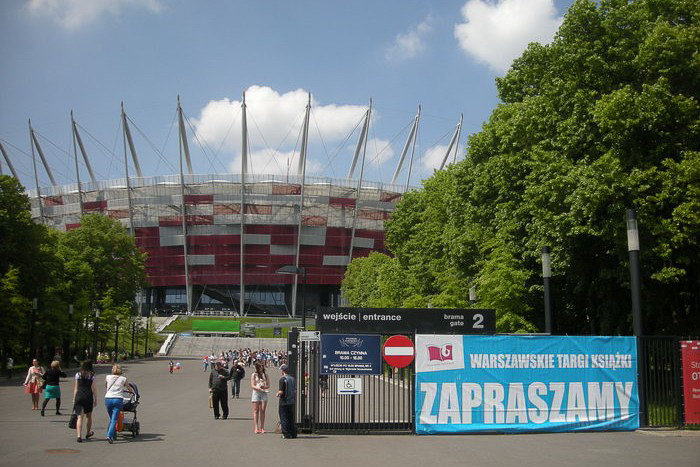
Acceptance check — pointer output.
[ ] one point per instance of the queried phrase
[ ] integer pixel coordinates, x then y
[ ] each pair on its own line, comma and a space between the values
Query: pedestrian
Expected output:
114, 399
260, 384
205, 362
171, 365
84, 398
218, 389
53, 390
237, 376
9, 365
33, 382
287, 395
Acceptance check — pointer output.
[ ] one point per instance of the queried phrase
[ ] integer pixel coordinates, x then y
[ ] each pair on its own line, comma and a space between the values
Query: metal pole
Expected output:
472, 295
35, 306
303, 298
635, 288
70, 332
133, 334
116, 342
145, 350
303, 347
633, 247
546, 278
95, 326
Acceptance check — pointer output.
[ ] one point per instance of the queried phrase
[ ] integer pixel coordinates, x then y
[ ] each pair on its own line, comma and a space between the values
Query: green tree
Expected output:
29, 269
604, 118
105, 268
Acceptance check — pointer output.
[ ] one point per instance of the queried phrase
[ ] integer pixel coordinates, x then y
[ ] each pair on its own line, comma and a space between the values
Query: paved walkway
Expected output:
178, 429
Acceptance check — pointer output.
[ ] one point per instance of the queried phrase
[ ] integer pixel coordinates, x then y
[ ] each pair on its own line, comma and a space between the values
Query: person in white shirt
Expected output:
114, 400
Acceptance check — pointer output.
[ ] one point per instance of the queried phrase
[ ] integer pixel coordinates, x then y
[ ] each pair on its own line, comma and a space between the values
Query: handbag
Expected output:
73, 421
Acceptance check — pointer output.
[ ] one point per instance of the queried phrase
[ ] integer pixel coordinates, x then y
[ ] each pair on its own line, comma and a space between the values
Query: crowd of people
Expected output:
47, 382
247, 357
227, 366
231, 365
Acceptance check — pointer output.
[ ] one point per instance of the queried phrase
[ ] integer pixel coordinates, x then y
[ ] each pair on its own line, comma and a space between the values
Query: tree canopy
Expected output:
604, 118
95, 266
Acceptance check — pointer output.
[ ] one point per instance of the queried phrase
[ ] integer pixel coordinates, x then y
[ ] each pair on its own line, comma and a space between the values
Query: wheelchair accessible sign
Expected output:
350, 354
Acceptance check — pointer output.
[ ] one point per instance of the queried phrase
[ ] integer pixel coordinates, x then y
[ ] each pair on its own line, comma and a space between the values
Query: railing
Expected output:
661, 380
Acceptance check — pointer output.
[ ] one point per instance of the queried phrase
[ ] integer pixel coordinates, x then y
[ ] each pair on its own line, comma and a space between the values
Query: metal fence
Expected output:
385, 403
660, 379
387, 400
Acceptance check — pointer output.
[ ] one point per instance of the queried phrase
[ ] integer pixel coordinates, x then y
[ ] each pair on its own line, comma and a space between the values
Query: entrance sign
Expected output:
690, 360
525, 383
350, 354
406, 320
309, 336
398, 351
349, 386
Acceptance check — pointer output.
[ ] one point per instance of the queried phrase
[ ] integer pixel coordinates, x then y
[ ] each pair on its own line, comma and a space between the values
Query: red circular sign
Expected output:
398, 351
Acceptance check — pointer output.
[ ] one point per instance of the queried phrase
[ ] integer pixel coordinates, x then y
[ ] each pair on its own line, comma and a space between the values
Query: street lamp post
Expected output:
35, 306
70, 332
145, 344
635, 289
633, 248
116, 341
546, 278
95, 327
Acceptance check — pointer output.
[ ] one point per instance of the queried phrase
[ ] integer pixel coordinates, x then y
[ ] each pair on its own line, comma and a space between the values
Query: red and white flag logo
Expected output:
441, 354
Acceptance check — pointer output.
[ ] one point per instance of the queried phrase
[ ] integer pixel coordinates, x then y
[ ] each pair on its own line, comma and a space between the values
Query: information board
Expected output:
406, 320
356, 354
690, 358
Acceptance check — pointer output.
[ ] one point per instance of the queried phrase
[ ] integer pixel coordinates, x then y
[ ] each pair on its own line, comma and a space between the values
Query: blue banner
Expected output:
350, 354
525, 383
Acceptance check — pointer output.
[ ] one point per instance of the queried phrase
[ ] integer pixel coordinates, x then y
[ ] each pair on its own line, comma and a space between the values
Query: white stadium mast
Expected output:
410, 141
361, 144
7, 160
455, 139
183, 210
244, 168
301, 171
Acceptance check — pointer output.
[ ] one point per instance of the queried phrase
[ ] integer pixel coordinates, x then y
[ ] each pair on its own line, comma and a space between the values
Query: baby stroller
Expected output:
131, 402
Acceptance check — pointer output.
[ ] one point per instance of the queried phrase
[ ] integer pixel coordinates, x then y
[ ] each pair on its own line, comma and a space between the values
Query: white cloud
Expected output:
497, 33
432, 157
411, 44
274, 127
380, 150
72, 14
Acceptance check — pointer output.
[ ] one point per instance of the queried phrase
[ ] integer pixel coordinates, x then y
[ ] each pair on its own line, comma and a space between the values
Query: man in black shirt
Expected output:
287, 395
218, 388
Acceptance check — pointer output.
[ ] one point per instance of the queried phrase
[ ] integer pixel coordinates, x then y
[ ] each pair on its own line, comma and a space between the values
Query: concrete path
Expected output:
178, 429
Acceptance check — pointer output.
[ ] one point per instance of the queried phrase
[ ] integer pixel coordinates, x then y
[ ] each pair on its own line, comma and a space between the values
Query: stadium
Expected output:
233, 244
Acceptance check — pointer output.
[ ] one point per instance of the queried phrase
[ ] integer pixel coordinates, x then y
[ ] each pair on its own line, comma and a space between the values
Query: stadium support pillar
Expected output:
359, 184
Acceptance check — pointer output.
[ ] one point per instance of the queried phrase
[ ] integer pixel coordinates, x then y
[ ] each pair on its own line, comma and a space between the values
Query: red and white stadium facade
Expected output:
216, 243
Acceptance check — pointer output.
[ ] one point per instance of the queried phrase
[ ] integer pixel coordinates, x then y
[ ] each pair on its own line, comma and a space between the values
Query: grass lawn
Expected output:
184, 324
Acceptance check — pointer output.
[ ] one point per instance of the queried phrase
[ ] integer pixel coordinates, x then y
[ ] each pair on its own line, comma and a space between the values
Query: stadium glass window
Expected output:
265, 297
175, 296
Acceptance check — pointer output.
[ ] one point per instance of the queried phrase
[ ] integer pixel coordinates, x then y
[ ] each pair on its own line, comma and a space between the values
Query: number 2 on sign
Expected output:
478, 321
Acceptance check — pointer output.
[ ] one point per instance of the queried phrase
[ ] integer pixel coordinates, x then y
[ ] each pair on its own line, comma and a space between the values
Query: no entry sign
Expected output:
398, 351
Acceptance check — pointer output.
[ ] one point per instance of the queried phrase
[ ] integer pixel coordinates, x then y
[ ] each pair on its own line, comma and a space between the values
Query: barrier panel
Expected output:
525, 384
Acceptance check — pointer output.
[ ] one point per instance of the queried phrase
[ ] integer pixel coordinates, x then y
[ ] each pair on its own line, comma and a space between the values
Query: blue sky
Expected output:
90, 55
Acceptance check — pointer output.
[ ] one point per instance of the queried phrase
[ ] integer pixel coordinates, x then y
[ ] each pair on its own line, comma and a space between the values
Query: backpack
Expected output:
290, 390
